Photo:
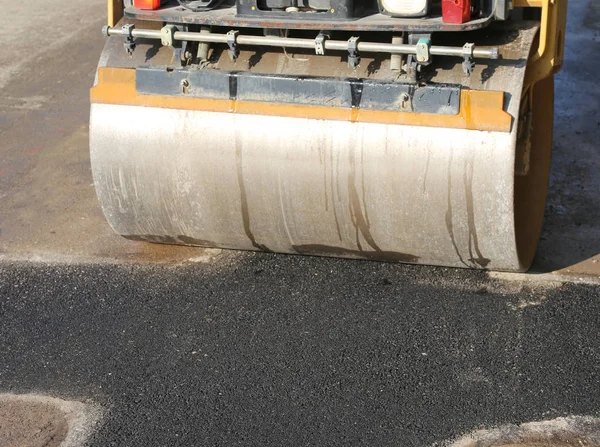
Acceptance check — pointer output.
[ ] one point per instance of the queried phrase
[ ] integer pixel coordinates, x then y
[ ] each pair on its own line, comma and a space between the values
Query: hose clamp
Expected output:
423, 51
353, 56
320, 43
167, 34
129, 42
232, 43
468, 65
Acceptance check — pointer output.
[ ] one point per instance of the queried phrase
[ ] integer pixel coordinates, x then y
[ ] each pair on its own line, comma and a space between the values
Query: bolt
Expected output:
405, 99
185, 85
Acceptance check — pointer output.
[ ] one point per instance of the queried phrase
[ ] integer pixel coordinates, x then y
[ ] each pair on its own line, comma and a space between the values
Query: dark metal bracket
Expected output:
129, 42
232, 44
302, 90
353, 56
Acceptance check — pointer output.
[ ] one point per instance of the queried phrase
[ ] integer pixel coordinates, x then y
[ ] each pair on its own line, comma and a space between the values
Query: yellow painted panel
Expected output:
479, 110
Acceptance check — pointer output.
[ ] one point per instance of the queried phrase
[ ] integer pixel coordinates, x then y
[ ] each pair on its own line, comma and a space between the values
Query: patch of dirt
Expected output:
571, 431
40, 421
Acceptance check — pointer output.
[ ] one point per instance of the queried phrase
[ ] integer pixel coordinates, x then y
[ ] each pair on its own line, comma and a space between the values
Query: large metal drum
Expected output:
339, 187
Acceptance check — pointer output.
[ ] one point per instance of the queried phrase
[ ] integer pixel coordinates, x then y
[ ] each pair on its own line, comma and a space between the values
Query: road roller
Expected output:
415, 131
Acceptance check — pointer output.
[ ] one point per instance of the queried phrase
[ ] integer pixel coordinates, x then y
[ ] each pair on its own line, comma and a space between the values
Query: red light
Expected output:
146, 4
456, 11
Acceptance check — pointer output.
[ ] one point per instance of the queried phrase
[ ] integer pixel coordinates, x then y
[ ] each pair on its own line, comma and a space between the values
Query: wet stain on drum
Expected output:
480, 261
187, 240
359, 219
171, 240
333, 190
448, 216
473, 239
377, 255
152, 238
424, 185
244, 197
325, 152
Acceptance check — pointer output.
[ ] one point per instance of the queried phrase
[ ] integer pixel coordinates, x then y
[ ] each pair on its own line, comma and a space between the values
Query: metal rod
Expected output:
197, 37
483, 53
274, 41
143, 33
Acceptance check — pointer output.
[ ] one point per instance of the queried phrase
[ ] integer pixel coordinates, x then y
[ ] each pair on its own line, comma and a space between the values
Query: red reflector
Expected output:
456, 11
146, 4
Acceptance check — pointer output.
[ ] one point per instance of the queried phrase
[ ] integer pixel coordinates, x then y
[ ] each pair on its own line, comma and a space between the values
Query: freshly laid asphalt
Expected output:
261, 349
206, 349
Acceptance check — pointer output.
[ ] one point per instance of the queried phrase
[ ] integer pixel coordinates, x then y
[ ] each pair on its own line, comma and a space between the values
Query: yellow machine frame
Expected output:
549, 56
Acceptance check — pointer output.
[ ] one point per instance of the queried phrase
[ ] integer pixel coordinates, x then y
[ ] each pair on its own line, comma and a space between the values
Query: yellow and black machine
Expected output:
415, 131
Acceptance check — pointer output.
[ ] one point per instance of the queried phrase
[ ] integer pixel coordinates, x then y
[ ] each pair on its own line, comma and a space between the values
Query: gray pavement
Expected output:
49, 207
185, 346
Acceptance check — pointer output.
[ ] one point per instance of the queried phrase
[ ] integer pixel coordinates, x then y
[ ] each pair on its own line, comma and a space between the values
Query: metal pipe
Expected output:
274, 41
198, 37
483, 53
143, 33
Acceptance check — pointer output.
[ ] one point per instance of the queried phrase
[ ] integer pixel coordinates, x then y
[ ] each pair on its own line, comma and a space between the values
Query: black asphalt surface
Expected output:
271, 350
